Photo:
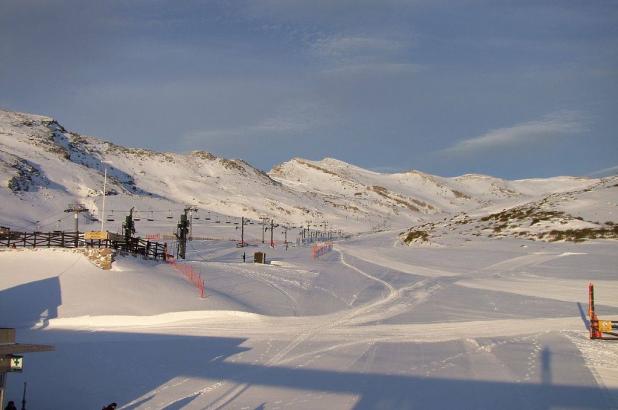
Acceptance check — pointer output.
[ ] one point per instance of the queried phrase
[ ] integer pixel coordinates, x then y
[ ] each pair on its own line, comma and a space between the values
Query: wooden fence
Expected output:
60, 239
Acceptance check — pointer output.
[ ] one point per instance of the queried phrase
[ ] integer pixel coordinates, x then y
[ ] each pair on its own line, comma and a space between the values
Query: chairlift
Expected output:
170, 215
217, 222
227, 222
196, 217
151, 219
208, 219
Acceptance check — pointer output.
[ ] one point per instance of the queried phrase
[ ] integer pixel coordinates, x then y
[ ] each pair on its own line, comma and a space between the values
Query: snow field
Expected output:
346, 330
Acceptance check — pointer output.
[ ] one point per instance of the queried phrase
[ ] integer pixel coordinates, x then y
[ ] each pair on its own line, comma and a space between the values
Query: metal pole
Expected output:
23, 398
103, 208
242, 231
272, 228
2, 385
191, 224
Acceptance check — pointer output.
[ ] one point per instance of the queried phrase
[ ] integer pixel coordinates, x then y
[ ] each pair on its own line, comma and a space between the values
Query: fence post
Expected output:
34, 240
25, 233
62, 239
49, 239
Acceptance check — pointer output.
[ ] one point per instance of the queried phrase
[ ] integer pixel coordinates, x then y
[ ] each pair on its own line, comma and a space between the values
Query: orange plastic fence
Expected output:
320, 249
192, 276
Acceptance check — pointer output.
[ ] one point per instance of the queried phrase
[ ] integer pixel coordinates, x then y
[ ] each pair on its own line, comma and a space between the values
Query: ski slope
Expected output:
44, 167
467, 292
496, 324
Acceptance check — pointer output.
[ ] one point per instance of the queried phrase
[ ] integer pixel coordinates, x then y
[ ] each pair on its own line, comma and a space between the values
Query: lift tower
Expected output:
128, 228
182, 231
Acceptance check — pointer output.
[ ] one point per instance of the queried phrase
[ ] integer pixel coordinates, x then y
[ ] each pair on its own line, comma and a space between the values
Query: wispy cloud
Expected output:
354, 55
354, 46
555, 125
288, 122
373, 69
605, 172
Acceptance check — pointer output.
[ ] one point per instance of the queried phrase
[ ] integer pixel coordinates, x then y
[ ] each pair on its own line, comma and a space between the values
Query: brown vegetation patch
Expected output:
416, 235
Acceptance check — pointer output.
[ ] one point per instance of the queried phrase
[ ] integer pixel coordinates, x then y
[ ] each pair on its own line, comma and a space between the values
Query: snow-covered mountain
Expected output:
43, 167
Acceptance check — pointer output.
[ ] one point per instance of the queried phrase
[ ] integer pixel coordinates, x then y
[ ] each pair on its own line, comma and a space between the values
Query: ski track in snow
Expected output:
354, 333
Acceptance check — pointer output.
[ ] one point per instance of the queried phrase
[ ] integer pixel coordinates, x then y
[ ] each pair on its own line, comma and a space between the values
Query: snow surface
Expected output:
495, 324
477, 317
43, 167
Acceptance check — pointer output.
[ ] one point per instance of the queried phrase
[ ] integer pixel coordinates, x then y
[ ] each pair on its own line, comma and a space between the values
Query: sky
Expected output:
510, 88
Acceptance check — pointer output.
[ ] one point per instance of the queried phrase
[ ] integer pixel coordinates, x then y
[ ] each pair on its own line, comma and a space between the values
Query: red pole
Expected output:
595, 333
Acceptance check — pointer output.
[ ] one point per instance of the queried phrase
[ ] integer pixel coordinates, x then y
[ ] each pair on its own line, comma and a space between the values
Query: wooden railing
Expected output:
61, 239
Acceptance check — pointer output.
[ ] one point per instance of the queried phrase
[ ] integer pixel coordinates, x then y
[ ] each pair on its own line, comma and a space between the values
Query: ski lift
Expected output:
170, 215
151, 219
227, 222
110, 218
196, 217
208, 219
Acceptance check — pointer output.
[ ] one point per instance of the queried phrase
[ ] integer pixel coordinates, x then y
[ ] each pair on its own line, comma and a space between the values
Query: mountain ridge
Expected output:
44, 164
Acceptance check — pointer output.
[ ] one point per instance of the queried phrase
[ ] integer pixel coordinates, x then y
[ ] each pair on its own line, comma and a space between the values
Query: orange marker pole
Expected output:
595, 332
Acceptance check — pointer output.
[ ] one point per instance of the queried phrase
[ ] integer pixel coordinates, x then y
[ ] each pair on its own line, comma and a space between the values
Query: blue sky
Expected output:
513, 89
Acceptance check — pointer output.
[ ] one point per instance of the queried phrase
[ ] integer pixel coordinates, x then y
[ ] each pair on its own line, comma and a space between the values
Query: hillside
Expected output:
575, 216
44, 167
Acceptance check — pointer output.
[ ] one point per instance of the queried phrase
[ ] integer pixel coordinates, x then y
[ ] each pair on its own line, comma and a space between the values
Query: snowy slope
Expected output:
574, 215
43, 167
369, 325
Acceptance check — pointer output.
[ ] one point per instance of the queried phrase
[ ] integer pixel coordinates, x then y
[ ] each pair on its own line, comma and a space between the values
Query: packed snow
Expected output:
466, 313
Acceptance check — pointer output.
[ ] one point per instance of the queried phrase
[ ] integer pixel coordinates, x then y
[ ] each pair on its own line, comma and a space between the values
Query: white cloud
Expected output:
556, 125
345, 46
